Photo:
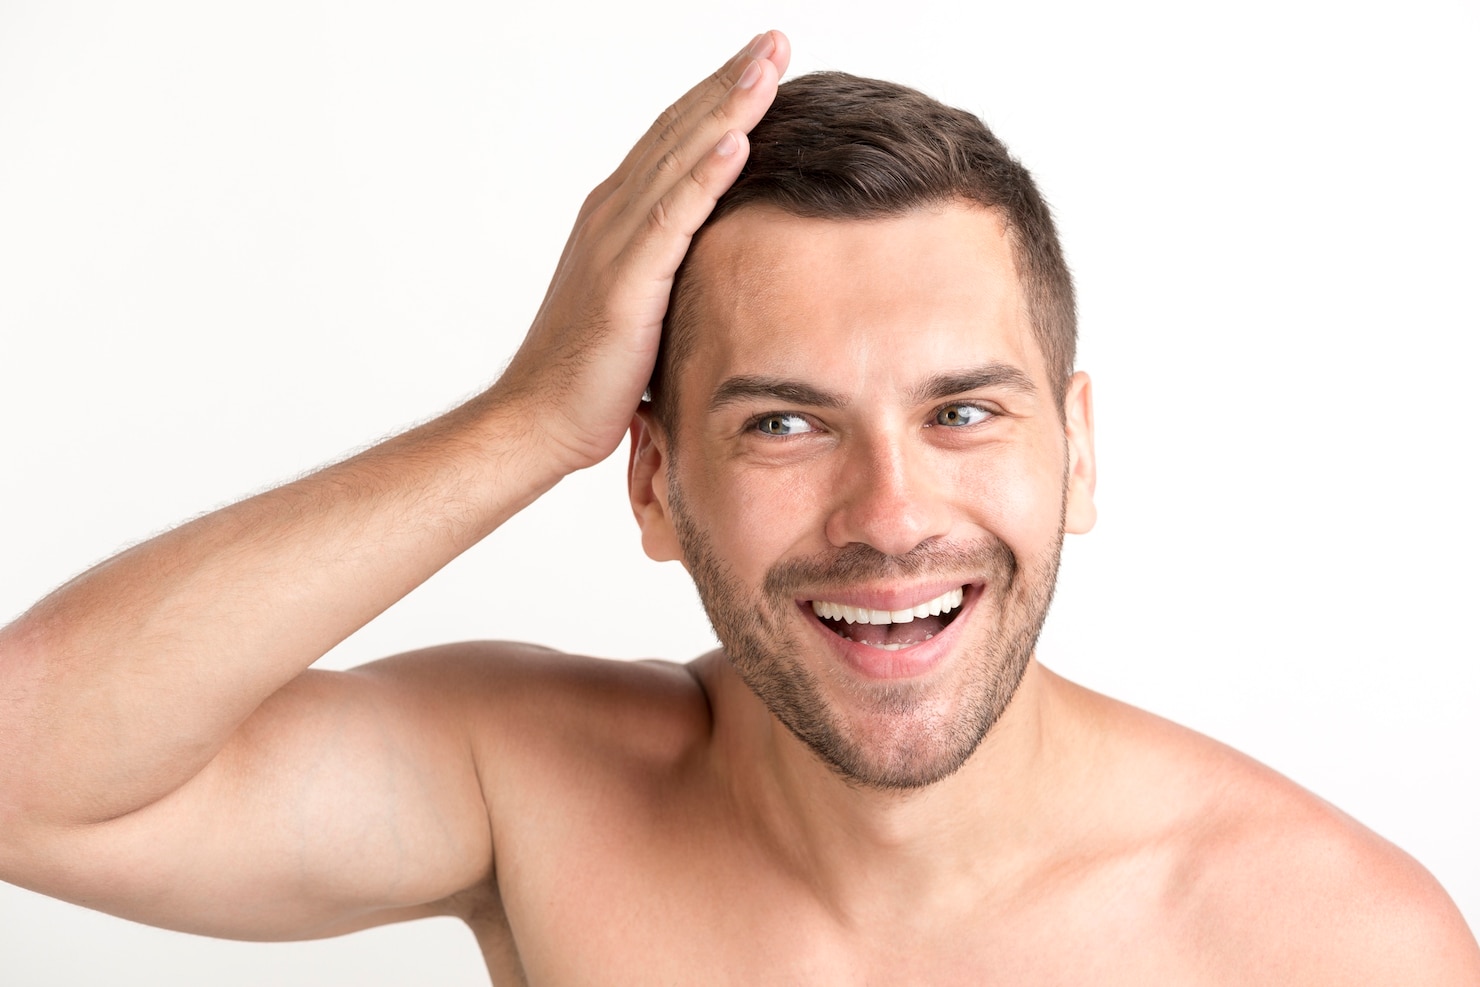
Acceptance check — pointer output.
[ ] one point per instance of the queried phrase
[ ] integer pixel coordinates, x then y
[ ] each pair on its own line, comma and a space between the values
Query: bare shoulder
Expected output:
524, 702
1281, 875
1273, 884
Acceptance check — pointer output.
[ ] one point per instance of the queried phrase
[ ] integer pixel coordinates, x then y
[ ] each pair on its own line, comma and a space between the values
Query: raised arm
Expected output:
165, 755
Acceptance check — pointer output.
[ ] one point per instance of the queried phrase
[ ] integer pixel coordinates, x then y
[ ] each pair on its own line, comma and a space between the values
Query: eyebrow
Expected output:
1001, 376
745, 387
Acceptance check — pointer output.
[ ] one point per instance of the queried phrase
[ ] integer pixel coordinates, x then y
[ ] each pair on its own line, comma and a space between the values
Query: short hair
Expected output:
837, 146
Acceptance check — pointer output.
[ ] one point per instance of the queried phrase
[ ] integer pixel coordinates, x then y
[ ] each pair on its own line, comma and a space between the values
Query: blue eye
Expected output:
784, 423
961, 414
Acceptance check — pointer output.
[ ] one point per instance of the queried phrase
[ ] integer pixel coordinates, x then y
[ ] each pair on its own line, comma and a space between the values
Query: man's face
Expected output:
870, 478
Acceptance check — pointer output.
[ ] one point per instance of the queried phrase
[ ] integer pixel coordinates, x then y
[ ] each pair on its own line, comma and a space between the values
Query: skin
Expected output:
879, 323
169, 757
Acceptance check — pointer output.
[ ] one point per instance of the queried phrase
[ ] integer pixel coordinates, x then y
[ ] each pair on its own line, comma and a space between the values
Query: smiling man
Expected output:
869, 468
866, 442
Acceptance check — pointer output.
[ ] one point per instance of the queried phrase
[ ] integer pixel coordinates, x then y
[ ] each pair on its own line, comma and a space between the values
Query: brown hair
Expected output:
836, 146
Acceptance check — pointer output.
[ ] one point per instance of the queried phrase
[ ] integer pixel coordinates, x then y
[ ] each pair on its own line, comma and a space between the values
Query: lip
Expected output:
906, 663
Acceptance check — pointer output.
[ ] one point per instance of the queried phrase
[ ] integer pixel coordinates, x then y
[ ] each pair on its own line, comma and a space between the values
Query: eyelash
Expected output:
987, 414
754, 425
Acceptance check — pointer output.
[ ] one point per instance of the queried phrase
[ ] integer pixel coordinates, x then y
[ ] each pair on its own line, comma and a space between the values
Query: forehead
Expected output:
859, 303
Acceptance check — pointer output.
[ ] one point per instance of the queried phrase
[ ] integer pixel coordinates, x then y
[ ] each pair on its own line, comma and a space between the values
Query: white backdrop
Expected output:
238, 240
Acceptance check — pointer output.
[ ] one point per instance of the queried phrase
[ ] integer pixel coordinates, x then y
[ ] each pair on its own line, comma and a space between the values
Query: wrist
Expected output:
499, 433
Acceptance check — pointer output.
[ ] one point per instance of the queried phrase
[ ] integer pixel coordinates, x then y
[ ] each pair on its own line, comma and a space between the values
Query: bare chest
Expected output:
656, 914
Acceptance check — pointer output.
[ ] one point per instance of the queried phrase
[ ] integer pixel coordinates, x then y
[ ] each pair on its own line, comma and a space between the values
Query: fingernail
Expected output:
727, 145
762, 46
750, 76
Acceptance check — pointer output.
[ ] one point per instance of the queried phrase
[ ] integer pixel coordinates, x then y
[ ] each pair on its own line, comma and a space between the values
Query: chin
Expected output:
885, 720
894, 735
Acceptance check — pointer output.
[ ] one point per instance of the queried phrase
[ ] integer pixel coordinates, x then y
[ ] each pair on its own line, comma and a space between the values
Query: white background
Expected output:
238, 240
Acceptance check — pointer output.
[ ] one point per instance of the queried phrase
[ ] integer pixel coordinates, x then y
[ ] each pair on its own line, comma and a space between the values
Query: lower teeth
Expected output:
894, 647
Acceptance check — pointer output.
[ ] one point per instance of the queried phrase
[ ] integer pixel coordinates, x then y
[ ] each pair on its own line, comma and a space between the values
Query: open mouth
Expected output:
890, 630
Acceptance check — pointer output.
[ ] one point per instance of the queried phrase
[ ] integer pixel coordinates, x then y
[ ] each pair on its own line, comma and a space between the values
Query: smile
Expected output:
890, 630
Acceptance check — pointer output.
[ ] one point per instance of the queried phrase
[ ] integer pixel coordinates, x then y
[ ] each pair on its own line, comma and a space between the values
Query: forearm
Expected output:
120, 686
154, 713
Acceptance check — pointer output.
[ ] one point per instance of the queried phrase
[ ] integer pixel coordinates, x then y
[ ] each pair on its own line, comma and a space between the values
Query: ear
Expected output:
1079, 435
647, 487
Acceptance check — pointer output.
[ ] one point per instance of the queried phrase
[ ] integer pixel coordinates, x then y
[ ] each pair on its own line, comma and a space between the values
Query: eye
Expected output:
781, 423
961, 414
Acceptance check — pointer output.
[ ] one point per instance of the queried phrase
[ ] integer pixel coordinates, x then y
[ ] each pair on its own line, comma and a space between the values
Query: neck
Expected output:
981, 827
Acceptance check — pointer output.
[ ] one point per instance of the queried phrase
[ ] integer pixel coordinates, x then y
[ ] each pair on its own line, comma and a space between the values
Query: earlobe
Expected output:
1079, 436
647, 487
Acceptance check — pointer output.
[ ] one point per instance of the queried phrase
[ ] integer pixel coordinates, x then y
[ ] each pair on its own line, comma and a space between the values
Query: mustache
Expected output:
860, 563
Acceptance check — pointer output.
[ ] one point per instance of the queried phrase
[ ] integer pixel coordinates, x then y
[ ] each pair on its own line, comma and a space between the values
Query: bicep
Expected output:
347, 799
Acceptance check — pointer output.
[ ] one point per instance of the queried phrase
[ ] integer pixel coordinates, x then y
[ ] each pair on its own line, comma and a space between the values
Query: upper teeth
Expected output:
946, 602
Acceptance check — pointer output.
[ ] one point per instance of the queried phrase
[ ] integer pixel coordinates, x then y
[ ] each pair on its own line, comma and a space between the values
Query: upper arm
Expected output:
346, 799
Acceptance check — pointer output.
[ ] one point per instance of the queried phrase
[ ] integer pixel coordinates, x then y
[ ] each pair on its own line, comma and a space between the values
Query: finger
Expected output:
710, 90
672, 163
672, 220
772, 46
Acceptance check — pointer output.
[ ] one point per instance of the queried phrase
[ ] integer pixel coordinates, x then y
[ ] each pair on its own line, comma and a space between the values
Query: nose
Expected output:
888, 497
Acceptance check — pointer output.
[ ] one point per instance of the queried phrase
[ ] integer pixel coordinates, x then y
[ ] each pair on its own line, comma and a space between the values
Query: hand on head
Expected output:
583, 367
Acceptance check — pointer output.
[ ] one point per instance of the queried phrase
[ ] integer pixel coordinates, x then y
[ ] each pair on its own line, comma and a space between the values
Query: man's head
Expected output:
879, 455
836, 146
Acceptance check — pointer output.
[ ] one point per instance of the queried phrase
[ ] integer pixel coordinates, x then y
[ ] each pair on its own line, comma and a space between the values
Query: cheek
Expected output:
755, 516
1017, 498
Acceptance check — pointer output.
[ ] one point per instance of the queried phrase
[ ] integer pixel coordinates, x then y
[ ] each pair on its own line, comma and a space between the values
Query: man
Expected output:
865, 443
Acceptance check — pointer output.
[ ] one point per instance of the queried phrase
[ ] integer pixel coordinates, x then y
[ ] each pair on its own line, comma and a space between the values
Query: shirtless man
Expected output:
865, 444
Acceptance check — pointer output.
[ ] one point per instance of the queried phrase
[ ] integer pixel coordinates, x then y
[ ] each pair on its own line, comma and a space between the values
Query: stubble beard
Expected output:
915, 738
